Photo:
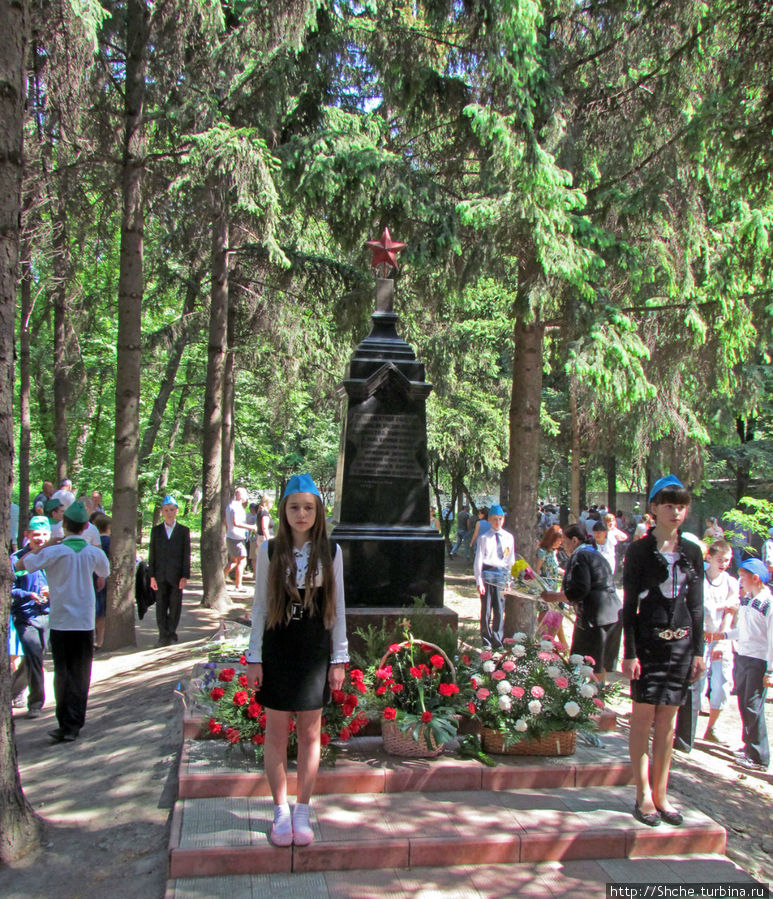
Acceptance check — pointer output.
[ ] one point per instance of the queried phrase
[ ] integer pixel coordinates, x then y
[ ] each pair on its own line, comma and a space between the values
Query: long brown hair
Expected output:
282, 589
551, 538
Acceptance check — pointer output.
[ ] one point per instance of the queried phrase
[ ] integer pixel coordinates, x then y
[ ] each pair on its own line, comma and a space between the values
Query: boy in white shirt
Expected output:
720, 603
69, 567
753, 672
494, 557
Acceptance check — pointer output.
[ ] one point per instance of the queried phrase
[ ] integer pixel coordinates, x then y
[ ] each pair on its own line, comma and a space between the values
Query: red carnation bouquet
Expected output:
237, 717
415, 686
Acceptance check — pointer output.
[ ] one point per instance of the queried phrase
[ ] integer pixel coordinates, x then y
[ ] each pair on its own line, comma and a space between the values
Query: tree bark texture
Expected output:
25, 421
212, 524
19, 827
61, 266
120, 614
525, 403
229, 396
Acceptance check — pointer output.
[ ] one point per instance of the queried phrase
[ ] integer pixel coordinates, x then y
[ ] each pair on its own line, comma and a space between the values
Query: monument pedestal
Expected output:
391, 565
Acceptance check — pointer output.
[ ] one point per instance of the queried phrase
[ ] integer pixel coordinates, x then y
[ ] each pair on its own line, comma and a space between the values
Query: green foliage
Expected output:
750, 516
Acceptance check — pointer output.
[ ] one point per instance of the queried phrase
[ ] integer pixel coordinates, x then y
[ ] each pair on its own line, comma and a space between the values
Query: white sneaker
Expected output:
281, 829
302, 832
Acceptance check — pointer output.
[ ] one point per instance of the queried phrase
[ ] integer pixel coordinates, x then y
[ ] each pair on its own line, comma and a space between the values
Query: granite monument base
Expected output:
391, 565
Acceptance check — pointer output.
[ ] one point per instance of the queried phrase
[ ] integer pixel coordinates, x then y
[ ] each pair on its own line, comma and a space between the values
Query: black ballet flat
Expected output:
651, 820
673, 818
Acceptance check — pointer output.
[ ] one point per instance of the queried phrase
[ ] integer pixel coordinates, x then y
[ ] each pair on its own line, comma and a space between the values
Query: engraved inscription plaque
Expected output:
385, 446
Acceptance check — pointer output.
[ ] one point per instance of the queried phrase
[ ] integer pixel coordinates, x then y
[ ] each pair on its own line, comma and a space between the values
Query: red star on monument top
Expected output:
384, 252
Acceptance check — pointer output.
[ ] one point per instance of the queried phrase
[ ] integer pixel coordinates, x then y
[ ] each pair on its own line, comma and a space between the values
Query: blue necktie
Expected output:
500, 551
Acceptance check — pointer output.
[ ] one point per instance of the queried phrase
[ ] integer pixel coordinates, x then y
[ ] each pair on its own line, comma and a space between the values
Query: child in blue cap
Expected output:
753, 670
298, 647
494, 556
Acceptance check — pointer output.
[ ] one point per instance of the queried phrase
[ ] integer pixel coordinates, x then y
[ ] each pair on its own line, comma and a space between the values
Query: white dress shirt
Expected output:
495, 553
340, 647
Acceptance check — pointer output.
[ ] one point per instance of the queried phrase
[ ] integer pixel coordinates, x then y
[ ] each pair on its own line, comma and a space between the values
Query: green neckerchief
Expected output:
76, 544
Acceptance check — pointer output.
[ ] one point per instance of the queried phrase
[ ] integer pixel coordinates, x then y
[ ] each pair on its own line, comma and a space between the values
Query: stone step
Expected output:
568, 879
206, 771
378, 830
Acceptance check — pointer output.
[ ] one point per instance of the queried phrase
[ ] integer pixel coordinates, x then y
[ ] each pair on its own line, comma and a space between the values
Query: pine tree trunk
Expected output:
123, 548
227, 474
525, 403
212, 524
25, 421
19, 827
61, 264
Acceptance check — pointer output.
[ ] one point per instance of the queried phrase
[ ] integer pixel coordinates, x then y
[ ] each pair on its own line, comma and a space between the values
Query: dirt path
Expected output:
106, 799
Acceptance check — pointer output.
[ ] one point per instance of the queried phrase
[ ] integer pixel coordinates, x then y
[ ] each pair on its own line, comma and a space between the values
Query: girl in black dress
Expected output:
663, 642
298, 647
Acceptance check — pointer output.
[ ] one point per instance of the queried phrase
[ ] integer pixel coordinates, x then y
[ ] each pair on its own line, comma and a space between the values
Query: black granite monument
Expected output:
391, 554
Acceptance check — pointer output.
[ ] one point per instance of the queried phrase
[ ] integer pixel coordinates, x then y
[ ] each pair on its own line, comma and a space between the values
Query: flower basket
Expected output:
559, 742
423, 718
531, 699
398, 743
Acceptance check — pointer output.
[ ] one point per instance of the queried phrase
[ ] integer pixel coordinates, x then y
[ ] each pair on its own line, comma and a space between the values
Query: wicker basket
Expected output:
398, 743
403, 744
559, 742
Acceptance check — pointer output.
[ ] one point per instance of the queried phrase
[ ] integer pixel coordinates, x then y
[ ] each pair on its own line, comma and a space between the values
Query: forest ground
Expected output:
106, 799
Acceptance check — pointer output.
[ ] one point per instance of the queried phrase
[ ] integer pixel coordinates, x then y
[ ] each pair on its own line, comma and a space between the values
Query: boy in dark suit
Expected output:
169, 565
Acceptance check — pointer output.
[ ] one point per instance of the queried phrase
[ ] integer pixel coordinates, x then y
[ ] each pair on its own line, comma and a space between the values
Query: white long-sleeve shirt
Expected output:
339, 652
487, 552
753, 631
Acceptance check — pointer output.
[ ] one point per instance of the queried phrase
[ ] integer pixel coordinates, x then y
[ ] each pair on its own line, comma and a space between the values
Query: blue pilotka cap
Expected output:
169, 500
496, 510
669, 480
756, 566
301, 483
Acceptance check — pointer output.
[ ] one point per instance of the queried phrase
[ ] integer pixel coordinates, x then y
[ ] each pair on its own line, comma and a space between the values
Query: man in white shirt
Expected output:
494, 557
236, 532
70, 566
64, 494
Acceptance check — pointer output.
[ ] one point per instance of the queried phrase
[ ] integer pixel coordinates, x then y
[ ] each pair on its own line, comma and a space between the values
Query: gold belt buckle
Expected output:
678, 634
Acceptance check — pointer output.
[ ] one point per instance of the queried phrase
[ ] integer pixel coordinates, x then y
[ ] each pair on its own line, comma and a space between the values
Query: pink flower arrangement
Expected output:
531, 691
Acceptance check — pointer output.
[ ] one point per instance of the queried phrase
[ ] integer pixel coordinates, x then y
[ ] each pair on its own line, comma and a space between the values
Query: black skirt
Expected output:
296, 659
665, 668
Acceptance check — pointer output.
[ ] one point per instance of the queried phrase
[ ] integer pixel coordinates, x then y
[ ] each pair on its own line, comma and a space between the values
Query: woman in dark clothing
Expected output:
663, 642
588, 585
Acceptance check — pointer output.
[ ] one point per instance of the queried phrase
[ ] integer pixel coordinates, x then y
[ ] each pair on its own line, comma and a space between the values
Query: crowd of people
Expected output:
687, 626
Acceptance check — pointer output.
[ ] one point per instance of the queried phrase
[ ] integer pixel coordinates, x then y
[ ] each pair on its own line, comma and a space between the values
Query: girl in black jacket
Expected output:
663, 642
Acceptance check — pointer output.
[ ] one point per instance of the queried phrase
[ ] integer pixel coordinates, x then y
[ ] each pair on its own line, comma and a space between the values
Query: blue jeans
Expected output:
463, 537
